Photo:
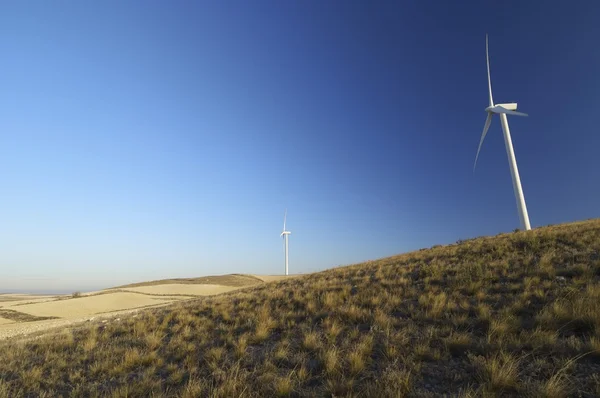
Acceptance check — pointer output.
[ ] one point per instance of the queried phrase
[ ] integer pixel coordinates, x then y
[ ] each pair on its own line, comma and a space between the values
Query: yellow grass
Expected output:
91, 305
511, 315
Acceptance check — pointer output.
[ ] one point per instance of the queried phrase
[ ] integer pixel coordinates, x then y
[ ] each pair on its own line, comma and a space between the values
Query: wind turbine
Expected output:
502, 110
285, 235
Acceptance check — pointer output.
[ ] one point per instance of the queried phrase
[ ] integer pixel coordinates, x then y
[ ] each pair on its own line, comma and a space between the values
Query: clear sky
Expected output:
151, 139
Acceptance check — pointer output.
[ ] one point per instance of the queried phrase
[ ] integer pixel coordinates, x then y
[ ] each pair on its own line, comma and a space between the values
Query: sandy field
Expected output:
91, 305
6, 299
20, 329
192, 290
5, 321
16, 304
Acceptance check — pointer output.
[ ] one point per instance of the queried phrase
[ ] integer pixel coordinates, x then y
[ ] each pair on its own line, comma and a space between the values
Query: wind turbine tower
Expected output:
285, 235
502, 110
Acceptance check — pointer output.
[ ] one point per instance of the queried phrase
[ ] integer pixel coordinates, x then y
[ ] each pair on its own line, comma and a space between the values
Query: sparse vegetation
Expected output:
21, 316
515, 314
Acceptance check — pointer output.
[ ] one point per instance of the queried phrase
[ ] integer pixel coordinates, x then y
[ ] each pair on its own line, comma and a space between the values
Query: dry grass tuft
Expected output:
500, 372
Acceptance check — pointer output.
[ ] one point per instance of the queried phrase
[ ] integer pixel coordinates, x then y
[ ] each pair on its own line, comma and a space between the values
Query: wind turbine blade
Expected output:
284, 217
500, 109
487, 58
486, 127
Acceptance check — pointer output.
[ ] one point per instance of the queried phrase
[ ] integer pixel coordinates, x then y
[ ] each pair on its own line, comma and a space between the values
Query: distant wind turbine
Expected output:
285, 235
503, 110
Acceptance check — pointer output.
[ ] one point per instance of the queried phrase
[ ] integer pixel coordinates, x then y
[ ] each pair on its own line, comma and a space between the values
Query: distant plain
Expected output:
22, 314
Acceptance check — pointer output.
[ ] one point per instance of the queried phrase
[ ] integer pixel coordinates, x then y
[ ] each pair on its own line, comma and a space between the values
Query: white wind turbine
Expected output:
285, 235
503, 110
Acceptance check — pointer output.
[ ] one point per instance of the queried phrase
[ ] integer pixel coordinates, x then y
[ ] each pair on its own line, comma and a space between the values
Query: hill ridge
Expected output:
225, 280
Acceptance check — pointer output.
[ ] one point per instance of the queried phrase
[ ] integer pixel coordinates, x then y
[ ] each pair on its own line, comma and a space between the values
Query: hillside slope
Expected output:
234, 280
515, 314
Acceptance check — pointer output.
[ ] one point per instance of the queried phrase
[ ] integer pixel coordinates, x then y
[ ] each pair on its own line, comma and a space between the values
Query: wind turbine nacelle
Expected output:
511, 106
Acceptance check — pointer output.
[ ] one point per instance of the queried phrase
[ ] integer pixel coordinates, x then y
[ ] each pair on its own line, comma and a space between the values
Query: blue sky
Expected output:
145, 140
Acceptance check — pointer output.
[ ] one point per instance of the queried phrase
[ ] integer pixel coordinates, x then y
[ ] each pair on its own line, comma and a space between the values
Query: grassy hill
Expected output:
515, 314
237, 280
